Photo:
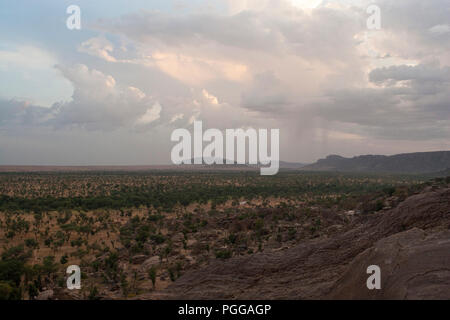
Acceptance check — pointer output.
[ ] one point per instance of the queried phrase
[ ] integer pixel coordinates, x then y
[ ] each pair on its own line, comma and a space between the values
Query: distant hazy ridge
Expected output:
420, 162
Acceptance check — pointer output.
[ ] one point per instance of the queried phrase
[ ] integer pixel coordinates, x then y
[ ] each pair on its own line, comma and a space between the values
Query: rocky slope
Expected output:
410, 243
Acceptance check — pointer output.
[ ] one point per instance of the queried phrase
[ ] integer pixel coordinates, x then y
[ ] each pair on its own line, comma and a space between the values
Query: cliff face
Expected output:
410, 243
421, 162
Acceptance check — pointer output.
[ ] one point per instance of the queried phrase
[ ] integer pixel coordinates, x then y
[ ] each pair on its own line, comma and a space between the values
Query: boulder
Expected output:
45, 295
148, 263
138, 259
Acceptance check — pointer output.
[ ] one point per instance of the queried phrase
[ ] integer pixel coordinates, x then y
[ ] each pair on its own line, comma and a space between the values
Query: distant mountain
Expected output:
283, 164
214, 160
443, 173
292, 165
420, 162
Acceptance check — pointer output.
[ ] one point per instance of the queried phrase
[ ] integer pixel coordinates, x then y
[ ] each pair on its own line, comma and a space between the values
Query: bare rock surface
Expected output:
413, 265
45, 295
410, 243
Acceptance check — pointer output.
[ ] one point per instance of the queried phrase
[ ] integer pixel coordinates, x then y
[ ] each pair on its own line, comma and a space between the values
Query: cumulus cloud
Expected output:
99, 47
212, 99
150, 115
262, 60
98, 103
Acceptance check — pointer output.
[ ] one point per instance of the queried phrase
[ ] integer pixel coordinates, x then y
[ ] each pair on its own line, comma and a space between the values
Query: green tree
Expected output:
152, 275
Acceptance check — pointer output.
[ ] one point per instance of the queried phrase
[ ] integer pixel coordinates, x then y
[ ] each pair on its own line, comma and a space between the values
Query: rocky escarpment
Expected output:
419, 162
410, 243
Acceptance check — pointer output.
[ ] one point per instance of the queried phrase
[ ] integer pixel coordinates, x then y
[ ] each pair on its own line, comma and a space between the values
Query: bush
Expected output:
8, 292
48, 265
93, 293
152, 275
11, 271
158, 238
32, 290
232, 238
223, 254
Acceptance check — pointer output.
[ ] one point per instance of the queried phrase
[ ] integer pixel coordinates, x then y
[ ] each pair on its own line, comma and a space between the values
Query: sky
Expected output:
112, 92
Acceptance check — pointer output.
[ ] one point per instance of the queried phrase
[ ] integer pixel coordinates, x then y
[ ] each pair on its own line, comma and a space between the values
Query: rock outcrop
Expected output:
414, 265
45, 295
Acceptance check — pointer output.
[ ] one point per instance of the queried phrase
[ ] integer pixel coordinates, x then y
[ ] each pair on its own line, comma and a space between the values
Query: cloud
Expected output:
440, 29
176, 117
410, 103
289, 62
421, 73
266, 94
24, 68
195, 70
414, 29
284, 29
150, 115
98, 103
27, 56
212, 99
99, 47
22, 113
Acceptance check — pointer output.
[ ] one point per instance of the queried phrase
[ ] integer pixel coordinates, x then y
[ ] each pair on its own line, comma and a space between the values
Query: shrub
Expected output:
152, 275
158, 238
8, 292
223, 254
31, 243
